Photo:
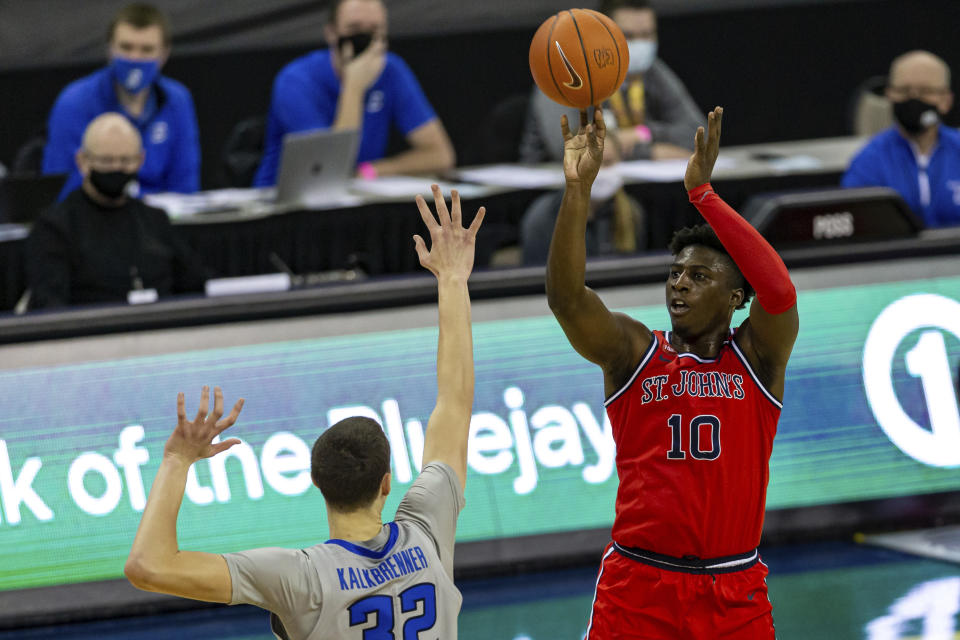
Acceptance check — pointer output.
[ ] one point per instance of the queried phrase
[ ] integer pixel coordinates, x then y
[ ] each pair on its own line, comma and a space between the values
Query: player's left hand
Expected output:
451, 245
192, 440
706, 148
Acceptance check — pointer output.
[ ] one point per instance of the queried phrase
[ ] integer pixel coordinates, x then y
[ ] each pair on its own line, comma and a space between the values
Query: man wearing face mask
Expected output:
918, 156
652, 116
160, 108
356, 84
100, 245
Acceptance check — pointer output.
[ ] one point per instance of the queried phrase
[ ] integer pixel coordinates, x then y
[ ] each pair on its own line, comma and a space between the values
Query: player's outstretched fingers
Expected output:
599, 124
477, 221
229, 421
565, 128
441, 205
181, 409
583, 120
698, 145
421, 248
217, 405
427, 215
456, 215
220, 447
204, 404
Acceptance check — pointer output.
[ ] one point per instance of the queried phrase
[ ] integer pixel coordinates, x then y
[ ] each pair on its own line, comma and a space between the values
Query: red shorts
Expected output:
635, 599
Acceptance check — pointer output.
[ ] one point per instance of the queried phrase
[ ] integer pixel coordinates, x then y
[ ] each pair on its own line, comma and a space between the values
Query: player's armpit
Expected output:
189, 574
767, 341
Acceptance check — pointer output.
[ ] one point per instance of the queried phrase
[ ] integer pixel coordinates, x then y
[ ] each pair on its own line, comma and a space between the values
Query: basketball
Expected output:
579, 57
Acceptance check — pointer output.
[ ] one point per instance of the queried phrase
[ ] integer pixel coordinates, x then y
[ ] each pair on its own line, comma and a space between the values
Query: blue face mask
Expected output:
134, 75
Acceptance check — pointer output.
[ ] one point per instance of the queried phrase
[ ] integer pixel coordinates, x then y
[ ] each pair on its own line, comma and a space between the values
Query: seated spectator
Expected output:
356, 84
160, 108
652, 116
918, 156
99, 244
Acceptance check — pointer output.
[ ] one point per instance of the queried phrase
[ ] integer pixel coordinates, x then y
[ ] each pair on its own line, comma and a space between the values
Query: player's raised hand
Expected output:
192, 439
451, 245
706, 148
583, 152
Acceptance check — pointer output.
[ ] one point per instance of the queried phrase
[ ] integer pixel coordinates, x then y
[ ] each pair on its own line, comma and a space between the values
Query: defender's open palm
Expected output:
706, 148
583, 152
451, 245
192, 439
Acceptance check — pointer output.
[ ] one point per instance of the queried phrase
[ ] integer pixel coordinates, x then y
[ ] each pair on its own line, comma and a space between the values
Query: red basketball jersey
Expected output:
693, 439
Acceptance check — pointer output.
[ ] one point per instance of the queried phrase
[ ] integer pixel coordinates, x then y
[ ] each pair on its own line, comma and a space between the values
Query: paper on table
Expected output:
185, 204
409, 186
514, 175
663, 170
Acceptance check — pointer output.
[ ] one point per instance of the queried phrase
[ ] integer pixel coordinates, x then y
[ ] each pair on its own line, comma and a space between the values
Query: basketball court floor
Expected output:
820, 591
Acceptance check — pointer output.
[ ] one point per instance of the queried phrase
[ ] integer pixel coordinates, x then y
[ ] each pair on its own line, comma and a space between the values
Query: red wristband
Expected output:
367, 171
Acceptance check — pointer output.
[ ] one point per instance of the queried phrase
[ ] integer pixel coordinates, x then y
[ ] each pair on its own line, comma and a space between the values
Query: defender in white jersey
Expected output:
369, 580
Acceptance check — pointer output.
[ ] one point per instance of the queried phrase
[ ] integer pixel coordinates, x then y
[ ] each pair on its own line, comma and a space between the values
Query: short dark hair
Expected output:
607, 7
704, 235
349, 461
141, 15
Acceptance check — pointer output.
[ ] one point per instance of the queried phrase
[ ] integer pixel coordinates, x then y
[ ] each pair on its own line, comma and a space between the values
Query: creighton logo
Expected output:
575, 81
134, 78
939, 444
602, 57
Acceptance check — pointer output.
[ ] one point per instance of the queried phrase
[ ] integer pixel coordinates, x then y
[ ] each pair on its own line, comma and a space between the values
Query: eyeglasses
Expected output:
106, 162
907, 91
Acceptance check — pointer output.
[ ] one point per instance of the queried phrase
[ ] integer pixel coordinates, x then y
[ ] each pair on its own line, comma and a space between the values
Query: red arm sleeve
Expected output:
756, 259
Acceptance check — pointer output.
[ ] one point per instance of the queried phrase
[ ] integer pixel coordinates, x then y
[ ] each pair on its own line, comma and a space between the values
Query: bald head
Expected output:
111, 132
919, 66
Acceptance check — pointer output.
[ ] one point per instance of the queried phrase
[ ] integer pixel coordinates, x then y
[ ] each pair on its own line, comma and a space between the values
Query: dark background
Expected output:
782, 72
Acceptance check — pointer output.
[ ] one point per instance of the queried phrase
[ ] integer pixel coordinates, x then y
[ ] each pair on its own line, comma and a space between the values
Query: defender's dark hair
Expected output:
141, 15
607, 7
348, 463
703, 235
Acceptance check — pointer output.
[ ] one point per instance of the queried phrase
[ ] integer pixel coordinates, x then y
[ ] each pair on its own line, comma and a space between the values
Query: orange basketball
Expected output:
579, 57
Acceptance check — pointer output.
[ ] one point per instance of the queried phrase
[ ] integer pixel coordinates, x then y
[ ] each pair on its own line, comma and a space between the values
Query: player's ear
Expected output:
736, 298
385, 484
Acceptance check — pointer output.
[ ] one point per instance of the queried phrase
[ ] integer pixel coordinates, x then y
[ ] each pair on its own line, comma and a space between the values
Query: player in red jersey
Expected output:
694, 410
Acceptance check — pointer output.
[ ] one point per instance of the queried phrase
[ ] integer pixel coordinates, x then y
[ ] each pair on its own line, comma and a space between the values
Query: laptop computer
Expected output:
24, 198
316, 165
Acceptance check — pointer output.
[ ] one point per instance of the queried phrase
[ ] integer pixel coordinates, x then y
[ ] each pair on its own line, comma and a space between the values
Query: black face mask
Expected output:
111, 184
360, 41
915, 115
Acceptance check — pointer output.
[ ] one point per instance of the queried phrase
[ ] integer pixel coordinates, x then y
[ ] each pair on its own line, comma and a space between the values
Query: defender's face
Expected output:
700, 291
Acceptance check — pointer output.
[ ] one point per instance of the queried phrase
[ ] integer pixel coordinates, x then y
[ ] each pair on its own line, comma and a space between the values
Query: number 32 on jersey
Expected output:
420, 598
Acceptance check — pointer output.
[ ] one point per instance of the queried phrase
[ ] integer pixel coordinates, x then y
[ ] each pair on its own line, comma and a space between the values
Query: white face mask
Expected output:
642, 54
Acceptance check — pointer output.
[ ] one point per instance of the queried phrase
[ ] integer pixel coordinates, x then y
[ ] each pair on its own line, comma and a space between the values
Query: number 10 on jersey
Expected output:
697, 432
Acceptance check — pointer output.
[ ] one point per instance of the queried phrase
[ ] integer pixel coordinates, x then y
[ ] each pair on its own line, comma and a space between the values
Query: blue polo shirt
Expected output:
889, 160
171, 139
305, 95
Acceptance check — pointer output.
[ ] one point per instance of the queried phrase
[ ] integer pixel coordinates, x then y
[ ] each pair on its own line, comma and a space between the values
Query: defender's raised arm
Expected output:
450, 259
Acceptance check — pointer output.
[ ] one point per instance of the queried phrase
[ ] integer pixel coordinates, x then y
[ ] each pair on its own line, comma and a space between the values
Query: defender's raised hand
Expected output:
583, 152
706, 148
451, 245
192, 440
